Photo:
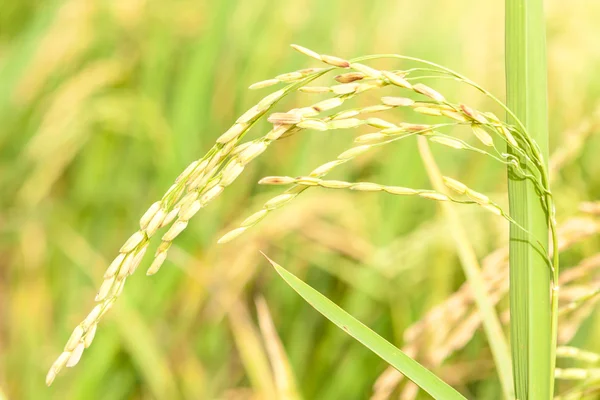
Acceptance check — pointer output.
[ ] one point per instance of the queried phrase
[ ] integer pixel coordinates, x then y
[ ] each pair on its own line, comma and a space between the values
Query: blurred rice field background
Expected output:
104, 102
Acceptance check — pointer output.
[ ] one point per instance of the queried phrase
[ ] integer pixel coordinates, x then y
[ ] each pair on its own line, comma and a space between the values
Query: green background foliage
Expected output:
103, 103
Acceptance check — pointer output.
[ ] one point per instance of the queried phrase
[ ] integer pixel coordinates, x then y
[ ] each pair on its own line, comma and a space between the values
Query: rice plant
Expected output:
206, 178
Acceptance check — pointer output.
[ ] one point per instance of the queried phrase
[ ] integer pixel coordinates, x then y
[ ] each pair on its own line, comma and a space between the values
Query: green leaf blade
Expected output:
414, 371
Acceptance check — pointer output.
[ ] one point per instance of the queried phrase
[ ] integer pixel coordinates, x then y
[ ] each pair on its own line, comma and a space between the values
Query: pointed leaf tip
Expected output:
273, 263
370, 339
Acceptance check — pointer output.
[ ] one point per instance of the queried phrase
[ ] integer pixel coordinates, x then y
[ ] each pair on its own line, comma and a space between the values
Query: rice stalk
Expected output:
534, 287
472, 270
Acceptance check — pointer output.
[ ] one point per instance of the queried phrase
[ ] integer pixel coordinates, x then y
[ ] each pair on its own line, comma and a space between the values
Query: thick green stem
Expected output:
532, 326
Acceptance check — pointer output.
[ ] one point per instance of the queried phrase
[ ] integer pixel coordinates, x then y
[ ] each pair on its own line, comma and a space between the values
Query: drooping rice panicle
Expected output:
197, 180
205, 179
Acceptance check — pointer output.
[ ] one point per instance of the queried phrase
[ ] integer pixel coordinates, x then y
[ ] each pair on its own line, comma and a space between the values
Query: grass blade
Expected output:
252, 352
282, 370
472, 270
414, 371
530, 278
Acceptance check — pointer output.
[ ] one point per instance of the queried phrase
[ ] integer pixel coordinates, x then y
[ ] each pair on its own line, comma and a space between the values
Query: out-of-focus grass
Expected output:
103, 103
